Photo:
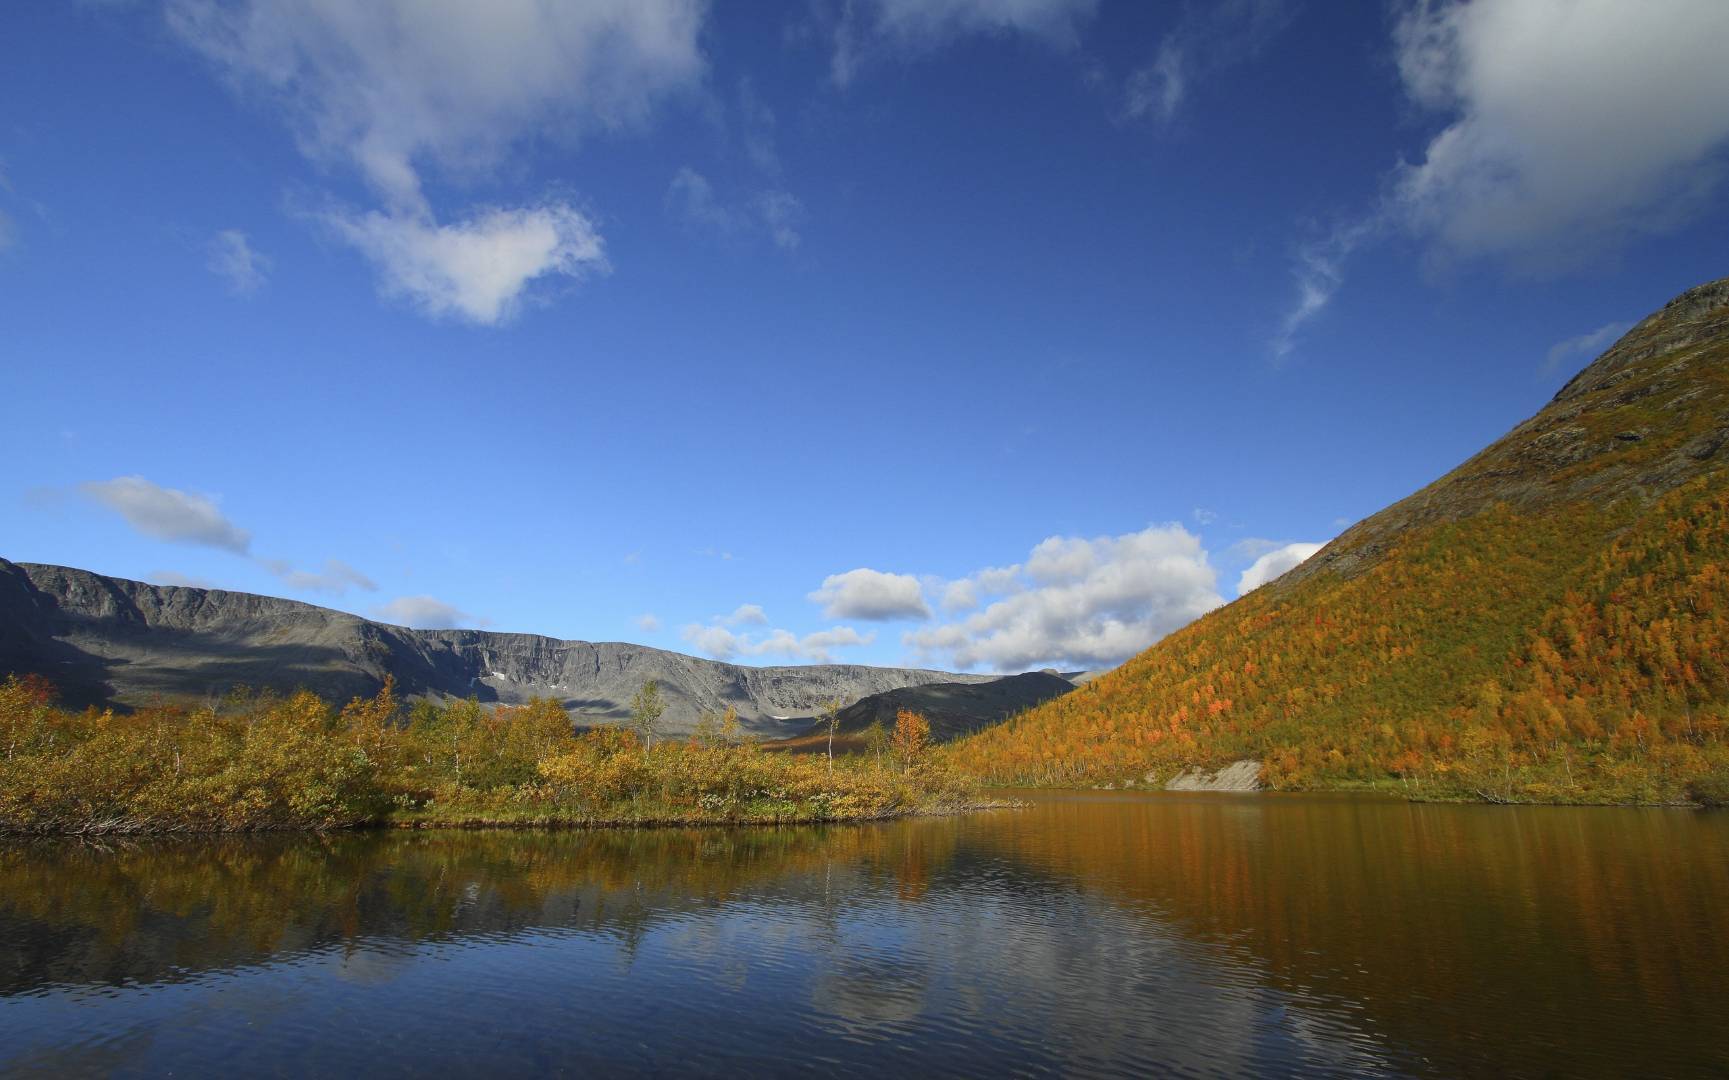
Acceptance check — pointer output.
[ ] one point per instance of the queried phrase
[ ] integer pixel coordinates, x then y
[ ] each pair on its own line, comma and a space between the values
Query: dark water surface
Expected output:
1088, 934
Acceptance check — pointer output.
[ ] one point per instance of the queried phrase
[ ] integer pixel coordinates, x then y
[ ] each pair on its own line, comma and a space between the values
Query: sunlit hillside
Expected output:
1550, 621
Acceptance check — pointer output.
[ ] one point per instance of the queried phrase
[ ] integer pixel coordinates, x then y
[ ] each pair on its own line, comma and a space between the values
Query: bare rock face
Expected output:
110, 641
1242, 775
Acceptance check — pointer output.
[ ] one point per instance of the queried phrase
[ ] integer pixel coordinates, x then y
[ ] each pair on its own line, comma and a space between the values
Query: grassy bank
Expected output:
258, 762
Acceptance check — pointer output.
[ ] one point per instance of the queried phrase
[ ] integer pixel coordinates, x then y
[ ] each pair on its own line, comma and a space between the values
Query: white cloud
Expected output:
871, 28
719, 642
1574, 123
1584, 346
1209, 38
1204, 516
1571, 125
168, 514
336, 578
746, 615
1274, 563
1319, 272
424, 613
391, 87
871, 595
478, 269
649, 622
960, 595
232, 258
185, 581
1091, 603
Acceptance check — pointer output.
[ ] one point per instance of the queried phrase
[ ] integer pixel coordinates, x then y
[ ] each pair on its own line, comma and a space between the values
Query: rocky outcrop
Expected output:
110, 641
1244, 775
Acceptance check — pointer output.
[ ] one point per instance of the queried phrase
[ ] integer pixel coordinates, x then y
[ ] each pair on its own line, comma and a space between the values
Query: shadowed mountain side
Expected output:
953, 709
956, 709
110, 641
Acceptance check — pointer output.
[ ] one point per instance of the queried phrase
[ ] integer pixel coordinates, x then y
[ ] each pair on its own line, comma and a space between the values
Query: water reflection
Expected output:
1107, 934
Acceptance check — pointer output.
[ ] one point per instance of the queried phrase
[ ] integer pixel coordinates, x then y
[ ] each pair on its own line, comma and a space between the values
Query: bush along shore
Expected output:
262, 761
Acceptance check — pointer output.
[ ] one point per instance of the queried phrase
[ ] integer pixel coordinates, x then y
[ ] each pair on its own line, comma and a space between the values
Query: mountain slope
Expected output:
1548, 621
953, 709
105, 640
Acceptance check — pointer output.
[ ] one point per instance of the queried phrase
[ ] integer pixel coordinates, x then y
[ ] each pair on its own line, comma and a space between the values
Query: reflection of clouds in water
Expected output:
863, 991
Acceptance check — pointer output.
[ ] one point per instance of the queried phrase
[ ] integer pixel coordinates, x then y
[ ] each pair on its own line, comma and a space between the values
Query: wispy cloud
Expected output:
1583, 346
336, 578
426, 613
169, 514
870, 31
231, 257
1207, 40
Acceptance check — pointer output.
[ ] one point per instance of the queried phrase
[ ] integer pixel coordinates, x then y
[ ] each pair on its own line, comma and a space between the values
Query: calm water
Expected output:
1089, 934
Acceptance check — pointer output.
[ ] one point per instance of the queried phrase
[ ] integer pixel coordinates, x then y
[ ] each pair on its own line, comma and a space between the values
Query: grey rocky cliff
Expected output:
110, 641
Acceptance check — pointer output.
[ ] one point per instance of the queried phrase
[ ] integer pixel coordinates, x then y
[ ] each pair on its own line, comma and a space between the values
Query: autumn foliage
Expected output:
1579, 655
269, 762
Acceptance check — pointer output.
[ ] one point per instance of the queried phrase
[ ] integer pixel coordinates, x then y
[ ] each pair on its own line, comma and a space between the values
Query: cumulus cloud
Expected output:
1584, 346
232, 258
746, 615
394, 87
1208, 39
477, 269
1274, 563
336, 578
1080, 602
721, 643
1573, 122
169, 514
869, 29
649, 622
1568, 126
871, 595
424, 613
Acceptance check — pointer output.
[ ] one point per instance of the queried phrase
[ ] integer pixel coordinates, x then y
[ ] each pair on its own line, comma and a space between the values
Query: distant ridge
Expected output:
105, 640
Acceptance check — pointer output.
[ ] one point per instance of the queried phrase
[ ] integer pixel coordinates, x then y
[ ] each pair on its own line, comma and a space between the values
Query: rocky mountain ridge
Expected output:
111, 641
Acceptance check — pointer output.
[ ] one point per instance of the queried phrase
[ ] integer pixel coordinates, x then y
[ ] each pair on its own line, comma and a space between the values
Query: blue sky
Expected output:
966, 333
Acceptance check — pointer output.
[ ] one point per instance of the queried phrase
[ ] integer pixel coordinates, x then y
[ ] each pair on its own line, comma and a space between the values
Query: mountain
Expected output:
954, 709
106, 641
1549, 621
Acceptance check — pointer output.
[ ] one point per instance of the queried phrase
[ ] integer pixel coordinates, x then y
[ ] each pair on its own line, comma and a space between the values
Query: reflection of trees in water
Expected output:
1520, 927
1446, 932
79, 912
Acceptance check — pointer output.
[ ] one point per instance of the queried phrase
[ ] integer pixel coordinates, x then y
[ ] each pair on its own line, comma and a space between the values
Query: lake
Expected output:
1090, 933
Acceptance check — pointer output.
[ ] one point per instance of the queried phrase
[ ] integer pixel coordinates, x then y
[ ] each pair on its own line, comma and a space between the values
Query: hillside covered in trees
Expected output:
1548, 622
